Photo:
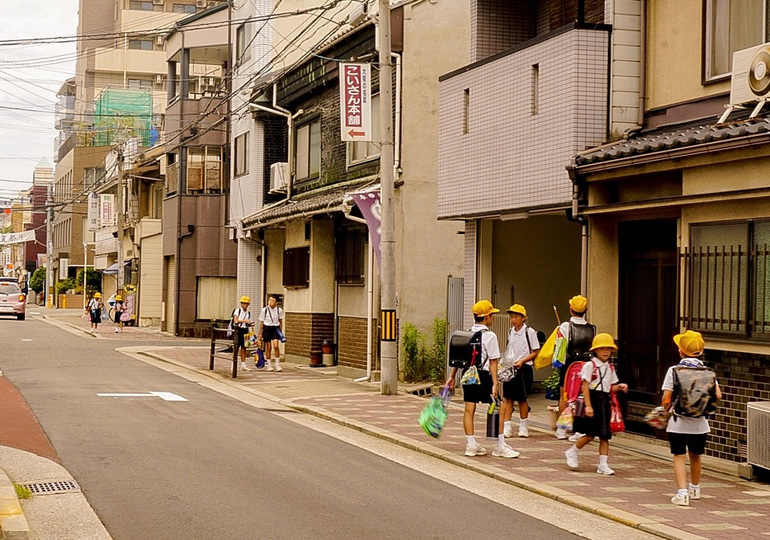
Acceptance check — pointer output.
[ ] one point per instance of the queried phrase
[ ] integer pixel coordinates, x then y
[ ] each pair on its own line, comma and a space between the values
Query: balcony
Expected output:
510, 123
207, 111
133, 61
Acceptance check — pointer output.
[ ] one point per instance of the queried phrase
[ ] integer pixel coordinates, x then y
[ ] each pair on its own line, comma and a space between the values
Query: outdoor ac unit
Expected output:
158, 2
158, 79
279, 175
200, 3
758, 433
751, 75
159, 40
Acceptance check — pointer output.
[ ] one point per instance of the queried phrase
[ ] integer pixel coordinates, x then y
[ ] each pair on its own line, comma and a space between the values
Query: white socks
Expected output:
523, 422
471, 440
500, 440
507, 425
603, 459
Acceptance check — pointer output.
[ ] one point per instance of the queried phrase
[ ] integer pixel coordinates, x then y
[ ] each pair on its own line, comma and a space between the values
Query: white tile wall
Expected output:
469, 284
511, 160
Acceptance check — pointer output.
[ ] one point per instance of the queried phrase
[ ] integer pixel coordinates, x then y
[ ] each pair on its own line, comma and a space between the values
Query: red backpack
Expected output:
573, 384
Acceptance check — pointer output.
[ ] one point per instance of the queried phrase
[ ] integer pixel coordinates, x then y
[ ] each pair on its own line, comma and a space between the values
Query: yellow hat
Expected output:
118, 298
517, 308
484, 307
603, 340
97, 295
690, 343
578, 304
245, 300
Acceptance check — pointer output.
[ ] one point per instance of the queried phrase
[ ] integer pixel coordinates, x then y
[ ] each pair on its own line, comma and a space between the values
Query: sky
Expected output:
29, 79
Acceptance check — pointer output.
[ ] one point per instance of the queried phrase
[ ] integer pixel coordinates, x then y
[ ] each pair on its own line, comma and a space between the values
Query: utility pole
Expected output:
49, 246
388, 344
119, 210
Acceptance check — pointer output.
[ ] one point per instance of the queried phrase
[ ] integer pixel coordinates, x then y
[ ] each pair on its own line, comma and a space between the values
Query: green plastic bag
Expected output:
434, 415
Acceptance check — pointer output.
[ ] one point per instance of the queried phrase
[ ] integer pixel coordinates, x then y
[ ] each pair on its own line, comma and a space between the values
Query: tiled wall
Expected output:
469, 285
351, 347
742, 378
499, 25
511, 159
305, 332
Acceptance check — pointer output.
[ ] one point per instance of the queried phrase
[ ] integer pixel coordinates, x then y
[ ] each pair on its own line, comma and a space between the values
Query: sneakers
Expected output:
508, 432
244, 367
472, 450
505, 452
694, 492
681, 499
576, 437
572, 458
278, 368
269, 367
116, 330
561, 434
605, 469
523, 432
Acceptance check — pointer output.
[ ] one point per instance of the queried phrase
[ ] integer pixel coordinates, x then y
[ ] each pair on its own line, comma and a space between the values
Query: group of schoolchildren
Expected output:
575, 340
269, 335
95, 309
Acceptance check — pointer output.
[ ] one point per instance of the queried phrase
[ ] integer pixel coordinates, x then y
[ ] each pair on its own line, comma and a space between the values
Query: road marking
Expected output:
166, 396
26, 340
34, 313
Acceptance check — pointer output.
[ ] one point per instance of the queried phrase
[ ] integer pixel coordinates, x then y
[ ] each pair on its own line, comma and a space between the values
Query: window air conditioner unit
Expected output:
200, 3
159, 40
158, 79
279, 176
757, 433
158, 2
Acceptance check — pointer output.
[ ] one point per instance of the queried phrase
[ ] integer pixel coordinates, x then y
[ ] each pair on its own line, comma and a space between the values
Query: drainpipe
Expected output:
642, 62
574, 215
397, 127
369, 304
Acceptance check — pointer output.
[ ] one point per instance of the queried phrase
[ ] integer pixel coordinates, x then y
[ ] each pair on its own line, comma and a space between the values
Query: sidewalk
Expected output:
638, 495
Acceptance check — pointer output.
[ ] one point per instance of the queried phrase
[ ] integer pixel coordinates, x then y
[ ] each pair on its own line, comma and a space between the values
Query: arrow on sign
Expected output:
166, 396
354, 133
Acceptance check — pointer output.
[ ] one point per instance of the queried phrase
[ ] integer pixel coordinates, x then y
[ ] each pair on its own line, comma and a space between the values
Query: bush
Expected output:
93, 281
435, 357
37, 281
64, 285
412, 347
421, 362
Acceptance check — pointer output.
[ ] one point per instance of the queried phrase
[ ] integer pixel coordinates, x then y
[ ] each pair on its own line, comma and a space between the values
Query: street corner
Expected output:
13, 523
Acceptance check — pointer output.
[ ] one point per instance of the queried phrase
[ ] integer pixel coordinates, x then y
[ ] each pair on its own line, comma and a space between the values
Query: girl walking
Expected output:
94, 311
599, 380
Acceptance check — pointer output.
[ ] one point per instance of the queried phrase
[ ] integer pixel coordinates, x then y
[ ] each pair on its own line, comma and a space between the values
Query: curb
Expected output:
560, 495
13, 524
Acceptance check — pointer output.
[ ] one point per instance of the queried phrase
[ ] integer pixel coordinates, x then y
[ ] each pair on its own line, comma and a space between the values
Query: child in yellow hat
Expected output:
599, 380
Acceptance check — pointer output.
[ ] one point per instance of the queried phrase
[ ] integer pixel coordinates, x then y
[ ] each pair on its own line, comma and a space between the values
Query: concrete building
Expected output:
546, 79
678, 215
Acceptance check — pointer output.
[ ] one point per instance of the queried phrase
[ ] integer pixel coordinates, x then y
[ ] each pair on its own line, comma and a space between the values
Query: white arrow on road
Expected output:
167, 396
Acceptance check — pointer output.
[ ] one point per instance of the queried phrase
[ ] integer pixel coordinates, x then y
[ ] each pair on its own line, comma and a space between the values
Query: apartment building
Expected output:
678, 216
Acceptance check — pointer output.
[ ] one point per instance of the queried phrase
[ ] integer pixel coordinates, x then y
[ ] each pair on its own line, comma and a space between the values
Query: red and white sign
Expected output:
356, 101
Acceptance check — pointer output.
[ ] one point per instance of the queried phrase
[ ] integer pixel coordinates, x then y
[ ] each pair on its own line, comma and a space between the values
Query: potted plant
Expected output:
551, 386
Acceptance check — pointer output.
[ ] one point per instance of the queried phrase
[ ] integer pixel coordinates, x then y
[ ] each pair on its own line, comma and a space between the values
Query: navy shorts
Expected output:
268, 333
479, 393
680, 443
520, 387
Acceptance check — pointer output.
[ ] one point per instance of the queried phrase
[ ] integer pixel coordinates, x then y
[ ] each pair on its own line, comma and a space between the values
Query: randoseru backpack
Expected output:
580, 338
694, 393
465, 349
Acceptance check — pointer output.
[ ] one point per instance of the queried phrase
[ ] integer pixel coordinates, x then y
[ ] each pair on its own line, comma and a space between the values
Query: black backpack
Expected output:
465, 349
694, 393
580, 338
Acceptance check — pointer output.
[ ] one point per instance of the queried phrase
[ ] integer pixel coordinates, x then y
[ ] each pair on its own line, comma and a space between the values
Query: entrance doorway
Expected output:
648, 307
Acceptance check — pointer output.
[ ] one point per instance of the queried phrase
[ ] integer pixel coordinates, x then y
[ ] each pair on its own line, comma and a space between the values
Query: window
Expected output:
349, 255
535, 89
731, 25
242, 154
91, 177
184, 8
366, 150
466, 111
296, 267
140, 44
243, 37
204, 169
140, 84
727, 279
142, 6
308, 153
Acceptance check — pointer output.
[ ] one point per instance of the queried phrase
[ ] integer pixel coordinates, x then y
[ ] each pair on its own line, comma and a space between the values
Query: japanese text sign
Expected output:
356, 101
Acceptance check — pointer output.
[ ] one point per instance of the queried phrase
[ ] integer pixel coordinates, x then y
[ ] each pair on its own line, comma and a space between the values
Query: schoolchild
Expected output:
242, 324
523, 346
599, 379
94, 311
573, 339
119, 308
486, 391
686, 435
271, 319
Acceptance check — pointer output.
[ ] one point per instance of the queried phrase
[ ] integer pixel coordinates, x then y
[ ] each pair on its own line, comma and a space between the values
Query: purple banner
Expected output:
369, 204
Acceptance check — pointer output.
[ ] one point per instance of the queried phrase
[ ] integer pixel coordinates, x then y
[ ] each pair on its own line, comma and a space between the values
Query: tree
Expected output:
93, 280
37, 281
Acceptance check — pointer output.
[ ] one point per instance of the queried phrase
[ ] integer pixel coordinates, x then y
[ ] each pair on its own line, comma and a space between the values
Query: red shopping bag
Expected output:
617, 425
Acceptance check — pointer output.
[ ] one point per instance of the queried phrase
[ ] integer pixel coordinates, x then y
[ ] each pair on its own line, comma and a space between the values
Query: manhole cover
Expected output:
50, 488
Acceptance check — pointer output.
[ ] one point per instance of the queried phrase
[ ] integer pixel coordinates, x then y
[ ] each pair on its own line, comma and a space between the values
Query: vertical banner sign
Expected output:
93, 211
369, 204
107, 213
64, 268
355, 101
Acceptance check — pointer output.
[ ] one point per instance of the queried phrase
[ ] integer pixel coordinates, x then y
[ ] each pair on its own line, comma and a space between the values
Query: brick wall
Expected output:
351, 347
306, 332
742, 378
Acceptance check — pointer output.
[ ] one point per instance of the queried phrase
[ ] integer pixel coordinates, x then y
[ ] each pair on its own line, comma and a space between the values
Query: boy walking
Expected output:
686, 435
486, 390
270, 320
523, 347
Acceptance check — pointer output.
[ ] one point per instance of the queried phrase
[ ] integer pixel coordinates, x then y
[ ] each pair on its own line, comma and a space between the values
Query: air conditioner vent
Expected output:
758, 433
279, 176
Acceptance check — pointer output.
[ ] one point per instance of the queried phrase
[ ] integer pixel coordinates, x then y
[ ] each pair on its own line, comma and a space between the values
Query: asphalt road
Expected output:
213, 467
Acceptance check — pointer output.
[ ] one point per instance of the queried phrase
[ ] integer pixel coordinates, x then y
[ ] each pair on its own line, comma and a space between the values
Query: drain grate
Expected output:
51, 488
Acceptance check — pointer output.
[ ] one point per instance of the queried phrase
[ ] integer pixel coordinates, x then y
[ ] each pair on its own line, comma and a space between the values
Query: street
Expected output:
213, 467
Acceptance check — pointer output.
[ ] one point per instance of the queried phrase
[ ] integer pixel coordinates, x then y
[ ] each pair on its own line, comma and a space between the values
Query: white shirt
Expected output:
490, 349
600, 375
684, 424
517, 343
243, 315
93, 304
271, 316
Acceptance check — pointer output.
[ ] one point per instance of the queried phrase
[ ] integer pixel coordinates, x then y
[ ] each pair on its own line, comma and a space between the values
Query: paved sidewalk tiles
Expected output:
637, 495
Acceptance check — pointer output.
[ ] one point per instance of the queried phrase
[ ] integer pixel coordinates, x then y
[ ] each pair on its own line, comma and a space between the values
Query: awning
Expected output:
113, 270
325, 200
